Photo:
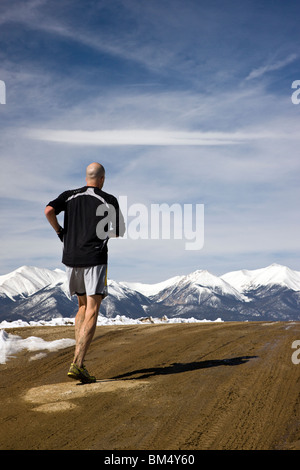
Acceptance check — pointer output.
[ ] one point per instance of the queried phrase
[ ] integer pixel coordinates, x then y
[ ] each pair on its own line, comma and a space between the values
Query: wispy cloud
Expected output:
146, 137
134, 137
260, 71
129, 44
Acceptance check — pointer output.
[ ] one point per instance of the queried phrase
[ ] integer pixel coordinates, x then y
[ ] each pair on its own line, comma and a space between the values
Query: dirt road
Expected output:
159, 387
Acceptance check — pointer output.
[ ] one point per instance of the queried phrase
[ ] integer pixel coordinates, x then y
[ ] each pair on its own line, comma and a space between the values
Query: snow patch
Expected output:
13, 344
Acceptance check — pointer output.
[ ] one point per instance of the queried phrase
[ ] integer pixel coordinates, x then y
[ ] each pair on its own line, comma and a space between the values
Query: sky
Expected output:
183, 102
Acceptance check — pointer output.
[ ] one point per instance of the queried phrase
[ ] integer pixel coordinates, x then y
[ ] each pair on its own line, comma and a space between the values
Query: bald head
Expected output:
95, 175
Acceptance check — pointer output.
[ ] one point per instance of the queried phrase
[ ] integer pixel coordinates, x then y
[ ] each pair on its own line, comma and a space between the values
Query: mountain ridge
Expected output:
271, 293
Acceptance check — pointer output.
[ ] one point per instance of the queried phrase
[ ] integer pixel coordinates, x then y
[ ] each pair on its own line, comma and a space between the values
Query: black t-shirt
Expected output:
89, 214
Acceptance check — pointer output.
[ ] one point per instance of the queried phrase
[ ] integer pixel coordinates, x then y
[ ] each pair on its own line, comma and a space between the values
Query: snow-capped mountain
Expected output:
35, 293
197, 292
25, 281
272, 275
271, 293
31, 293
264, 294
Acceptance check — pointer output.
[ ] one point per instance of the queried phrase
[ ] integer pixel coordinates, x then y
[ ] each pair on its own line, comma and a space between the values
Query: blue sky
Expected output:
122, 83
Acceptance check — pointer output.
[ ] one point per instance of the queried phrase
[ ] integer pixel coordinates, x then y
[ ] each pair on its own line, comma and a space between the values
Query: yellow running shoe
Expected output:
81, 374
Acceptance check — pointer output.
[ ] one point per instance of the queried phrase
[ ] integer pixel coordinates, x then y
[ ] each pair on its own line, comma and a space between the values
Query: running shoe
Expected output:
80, 373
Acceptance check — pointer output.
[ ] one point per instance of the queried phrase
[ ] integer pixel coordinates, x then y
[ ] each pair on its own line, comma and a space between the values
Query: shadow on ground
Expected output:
178, 368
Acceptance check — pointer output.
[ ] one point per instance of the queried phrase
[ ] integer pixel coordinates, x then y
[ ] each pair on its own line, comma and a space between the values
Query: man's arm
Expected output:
118, 225
52, 219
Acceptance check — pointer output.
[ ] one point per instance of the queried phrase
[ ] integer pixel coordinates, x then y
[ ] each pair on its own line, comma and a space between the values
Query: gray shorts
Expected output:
88, 281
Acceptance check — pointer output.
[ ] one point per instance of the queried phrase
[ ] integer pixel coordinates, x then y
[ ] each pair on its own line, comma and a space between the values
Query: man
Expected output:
91, 217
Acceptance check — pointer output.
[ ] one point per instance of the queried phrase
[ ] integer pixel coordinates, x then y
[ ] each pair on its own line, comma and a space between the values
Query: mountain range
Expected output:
267, 294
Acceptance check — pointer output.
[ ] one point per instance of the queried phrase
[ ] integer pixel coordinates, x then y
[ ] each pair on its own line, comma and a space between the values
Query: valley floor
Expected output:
159, 387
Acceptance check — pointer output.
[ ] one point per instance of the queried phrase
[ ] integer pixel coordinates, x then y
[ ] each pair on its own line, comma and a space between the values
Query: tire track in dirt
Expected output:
250, 409
182, 423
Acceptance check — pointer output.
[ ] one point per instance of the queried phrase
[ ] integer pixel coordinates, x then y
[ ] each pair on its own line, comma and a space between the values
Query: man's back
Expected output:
82, 246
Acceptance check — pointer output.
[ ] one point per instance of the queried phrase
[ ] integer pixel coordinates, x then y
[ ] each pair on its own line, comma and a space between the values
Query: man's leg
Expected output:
80, 316
86, 324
